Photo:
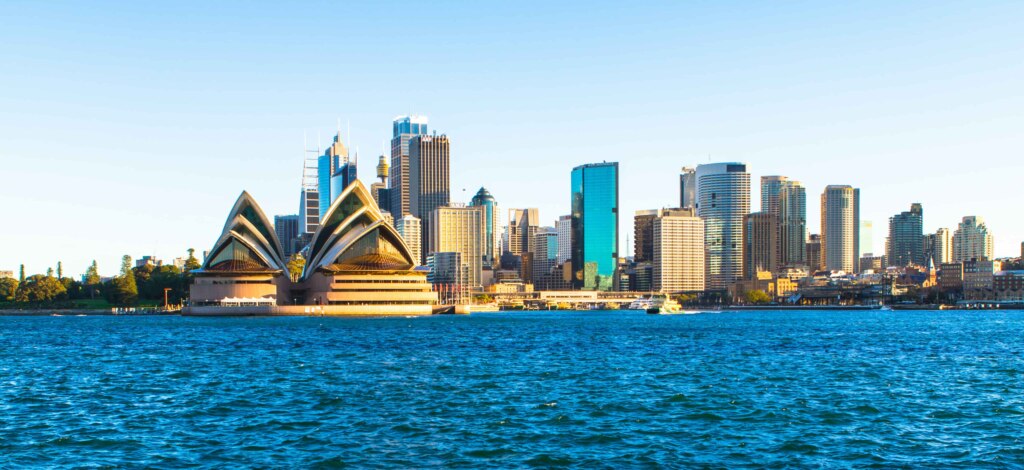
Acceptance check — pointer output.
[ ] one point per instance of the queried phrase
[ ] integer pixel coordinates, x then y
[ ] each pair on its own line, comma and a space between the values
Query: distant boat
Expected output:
663, 305
643, 303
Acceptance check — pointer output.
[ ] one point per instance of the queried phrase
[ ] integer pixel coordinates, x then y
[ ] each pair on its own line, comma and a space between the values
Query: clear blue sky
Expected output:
130, 128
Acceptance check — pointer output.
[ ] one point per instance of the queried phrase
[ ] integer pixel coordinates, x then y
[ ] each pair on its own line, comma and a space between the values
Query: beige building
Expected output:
410, 228
938, 246
461, 230
678, 241
972, 240
979, 277
840, 228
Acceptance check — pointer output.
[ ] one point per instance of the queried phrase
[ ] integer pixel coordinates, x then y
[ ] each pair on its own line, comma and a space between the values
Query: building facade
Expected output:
461, 230
840, 228
972, 240
430, 177
723, 201
287, 229
564, 228
643, 235
678, 251
404, 129
411, 228
938, 246
492, 252
792, 224
688, 188
905, 246
595, 225
760, 237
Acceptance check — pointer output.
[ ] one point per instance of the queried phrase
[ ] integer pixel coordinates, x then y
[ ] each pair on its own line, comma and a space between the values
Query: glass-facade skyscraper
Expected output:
906, 238
723, 201
404, 128
333, 169
493, 226
595, 225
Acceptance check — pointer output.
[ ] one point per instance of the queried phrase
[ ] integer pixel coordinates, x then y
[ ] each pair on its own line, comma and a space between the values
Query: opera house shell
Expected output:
356, 264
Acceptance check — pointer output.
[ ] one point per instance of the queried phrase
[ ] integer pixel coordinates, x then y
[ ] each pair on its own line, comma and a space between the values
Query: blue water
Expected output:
609, 389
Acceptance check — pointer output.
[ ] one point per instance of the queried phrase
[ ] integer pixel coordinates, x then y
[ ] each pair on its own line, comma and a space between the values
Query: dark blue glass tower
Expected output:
595, 225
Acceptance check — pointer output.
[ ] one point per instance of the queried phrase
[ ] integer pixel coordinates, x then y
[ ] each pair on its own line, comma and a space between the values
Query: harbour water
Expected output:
580, 389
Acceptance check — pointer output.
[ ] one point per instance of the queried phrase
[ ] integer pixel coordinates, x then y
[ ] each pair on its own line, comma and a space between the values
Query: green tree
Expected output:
123, 290
21, 277
38, 288
191, 262
92, 280
164, 277
60, 270
49, 272
8, 289
757, 297
296, 263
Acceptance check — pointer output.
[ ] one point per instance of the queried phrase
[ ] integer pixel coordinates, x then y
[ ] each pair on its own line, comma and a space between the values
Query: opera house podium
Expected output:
356, 264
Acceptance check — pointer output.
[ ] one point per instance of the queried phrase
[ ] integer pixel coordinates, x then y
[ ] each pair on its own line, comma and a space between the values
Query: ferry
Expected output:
642, 303
663, 305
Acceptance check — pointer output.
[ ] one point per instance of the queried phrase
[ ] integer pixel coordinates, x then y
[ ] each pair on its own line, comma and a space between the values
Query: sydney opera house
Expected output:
356, 264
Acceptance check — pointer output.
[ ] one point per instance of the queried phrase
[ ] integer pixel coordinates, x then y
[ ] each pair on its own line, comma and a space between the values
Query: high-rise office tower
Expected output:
972, 240
678, 258
792, 218
429, 176
309, 208
379, 189
410, 229
938, 246
688, 188
564, 228
840, 228
461, 230
286, 228
404, 129
760, 238
492, 252
643, 235
814, 253
723, 201
867, 237
545, 255
334, 172
771, 188
906, 238
521, 230
522, 226
595, 225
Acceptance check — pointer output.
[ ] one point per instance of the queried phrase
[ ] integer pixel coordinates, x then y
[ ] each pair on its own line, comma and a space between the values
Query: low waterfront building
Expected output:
979, 277
951, 277
1008, 286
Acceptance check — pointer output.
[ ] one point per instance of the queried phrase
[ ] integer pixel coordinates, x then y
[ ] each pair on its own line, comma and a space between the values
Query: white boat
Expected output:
663, 304
641, 303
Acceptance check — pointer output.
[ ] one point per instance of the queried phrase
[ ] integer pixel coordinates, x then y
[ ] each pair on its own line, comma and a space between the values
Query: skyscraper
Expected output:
461, 230
938, 246
492, 252
564, 228
814, 253
906, 238
867, 237
404, 129
429, 176
410, 229
972, 240
840, 227
678, 258
643, 235
595, 225
792, 218
286, 227
723, 201
333, 171
522, 226
545, 255
771, 188
688, 188
760, 237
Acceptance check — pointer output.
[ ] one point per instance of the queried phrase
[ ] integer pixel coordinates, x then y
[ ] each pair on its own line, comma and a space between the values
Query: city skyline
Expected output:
126, 151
